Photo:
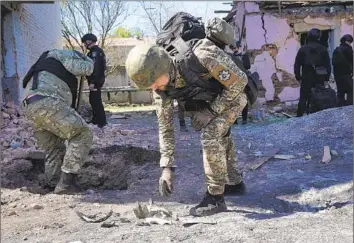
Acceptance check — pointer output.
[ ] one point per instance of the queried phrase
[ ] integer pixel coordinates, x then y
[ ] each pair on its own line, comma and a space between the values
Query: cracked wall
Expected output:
274, 38
272, 43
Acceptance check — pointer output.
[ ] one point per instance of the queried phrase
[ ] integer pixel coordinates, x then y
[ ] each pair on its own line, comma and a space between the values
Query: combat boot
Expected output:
210, 205
235, 190
67, 184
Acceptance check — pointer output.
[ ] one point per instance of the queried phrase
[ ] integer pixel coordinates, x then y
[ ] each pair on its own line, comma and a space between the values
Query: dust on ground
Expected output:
295, 200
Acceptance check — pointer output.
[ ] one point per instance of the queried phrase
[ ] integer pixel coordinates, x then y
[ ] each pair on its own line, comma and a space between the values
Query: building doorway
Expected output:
324, 39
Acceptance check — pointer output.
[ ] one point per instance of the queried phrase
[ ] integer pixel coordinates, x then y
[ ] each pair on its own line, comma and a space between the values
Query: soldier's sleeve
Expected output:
223, 69
73, 61
164, 111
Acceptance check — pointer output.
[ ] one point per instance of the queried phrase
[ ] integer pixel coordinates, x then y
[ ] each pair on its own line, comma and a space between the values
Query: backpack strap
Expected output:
31, 72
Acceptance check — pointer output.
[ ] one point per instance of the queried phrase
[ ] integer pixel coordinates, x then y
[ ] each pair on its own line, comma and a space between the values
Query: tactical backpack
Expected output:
178, 36
322, 98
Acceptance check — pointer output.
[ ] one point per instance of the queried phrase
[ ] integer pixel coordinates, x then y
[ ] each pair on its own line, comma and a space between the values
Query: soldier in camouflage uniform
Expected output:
50, 89
151, 66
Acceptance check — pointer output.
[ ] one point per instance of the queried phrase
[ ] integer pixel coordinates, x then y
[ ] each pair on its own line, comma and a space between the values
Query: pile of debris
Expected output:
16, 131
146, 215
114, 152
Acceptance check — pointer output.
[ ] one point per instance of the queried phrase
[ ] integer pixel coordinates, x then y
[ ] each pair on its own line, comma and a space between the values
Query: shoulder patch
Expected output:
223, 75
94, 54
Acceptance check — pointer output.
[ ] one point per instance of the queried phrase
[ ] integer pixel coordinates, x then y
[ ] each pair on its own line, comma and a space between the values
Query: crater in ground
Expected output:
108, 168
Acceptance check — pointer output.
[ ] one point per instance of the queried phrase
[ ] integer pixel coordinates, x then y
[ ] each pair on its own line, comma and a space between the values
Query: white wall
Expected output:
30, 30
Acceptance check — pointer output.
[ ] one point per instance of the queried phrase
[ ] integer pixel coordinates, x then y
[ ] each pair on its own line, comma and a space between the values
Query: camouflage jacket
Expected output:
50, 85
222, 68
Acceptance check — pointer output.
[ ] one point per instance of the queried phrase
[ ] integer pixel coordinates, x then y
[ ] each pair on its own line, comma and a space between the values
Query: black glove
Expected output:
202, 118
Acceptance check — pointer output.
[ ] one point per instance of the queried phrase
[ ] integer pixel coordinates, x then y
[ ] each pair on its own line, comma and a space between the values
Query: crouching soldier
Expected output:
50, 94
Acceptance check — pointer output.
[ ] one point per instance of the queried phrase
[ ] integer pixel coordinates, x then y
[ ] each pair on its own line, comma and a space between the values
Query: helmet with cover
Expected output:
146, 63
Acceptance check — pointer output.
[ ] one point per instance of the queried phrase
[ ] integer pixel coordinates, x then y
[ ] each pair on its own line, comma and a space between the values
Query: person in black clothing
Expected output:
96, 80
244, 58
343, 70
181, 117
312, 67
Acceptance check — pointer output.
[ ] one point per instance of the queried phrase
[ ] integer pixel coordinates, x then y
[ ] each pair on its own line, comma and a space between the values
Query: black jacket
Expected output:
309, 55
344, 65
99, 58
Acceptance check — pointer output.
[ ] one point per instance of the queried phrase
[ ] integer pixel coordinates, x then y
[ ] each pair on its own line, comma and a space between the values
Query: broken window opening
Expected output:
324, 39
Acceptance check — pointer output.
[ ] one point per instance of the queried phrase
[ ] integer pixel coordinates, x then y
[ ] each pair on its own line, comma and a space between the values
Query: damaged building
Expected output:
272, 32
27, 30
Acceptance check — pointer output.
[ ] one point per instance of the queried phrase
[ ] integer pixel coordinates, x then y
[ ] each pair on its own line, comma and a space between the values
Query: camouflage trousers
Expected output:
54, 123
219, 156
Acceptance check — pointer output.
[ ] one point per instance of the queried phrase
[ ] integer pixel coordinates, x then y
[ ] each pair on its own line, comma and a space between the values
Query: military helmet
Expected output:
90, 37
146, 63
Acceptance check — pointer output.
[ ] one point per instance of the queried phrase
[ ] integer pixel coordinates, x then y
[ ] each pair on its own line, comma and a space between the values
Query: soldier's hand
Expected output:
202, 118
166, 182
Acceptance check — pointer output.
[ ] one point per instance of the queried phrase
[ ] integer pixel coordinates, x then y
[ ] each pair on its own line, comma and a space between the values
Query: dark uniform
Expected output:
181, 117
343, 71
97, 78
246, 65
311, 57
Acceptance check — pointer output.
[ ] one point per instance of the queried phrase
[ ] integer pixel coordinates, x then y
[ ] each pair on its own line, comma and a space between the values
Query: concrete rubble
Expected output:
326, 155
16, 132
17, 138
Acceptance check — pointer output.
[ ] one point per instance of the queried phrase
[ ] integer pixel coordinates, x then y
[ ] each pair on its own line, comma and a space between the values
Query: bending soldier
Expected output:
151, 66
50, 89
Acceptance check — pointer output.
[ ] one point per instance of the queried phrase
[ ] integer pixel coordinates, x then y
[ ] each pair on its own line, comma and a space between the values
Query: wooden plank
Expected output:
118, 89
81, 86
287, 115
267, 156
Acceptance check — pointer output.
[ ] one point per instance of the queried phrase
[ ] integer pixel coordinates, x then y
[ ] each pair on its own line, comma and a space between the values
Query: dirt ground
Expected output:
295, 200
